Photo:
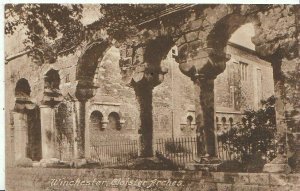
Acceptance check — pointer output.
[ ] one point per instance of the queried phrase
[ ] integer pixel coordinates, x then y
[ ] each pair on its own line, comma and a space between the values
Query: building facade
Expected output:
41, 114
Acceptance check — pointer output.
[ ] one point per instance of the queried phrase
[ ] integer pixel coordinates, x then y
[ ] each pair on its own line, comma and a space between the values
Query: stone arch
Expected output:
218, 37
189, 120
96, 118
224, 120
52, 79
27, 124
22, 88
88, 61
157, 49
114, 121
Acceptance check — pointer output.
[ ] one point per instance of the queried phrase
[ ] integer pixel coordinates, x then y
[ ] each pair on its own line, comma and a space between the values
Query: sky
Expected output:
242, 36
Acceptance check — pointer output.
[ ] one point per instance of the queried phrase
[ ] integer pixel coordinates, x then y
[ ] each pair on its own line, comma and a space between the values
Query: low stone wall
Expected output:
40, 179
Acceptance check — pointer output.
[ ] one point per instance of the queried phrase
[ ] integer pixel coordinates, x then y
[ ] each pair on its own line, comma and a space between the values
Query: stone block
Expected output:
278, 179
279, 188
243, 187
218, 176
259, 178
263, 188
191, 36
24, 162
236, 178
293, 179
196, 24
224, 187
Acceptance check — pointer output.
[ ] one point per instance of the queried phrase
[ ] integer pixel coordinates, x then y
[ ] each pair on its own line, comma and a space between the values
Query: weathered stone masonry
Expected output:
201, 33
37, 179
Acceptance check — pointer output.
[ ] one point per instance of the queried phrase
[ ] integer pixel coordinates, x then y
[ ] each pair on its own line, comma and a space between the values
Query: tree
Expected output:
51, 29
56, 30
254, 138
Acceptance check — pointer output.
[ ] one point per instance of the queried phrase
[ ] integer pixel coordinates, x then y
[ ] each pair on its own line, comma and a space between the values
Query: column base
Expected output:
278, 165
205, 163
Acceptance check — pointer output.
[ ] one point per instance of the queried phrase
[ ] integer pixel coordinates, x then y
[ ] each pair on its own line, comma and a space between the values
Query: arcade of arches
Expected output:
200, 32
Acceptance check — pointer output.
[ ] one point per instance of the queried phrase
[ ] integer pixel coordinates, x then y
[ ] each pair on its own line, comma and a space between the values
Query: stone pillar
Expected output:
84, 91
20, 135
204, 112
144, 96
202, 68
87, 141
280, 163
48, 132
79, 146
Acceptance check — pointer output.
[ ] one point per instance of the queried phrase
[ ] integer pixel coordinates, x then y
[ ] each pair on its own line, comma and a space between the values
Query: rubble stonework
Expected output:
131, 90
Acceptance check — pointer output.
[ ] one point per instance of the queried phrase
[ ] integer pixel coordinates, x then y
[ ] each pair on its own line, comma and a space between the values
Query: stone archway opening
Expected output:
96, 128
114, 121
52, 80
27, 127
22, 89
96, 119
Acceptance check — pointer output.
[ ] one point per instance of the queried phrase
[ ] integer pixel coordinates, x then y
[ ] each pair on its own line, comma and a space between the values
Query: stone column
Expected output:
204, 112
20, 135
84, 91
87, 141
143, 93
202, 68
48, 132
280, 163
79, 146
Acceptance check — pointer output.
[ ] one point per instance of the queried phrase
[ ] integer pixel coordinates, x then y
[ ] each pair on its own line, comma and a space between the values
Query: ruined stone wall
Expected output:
112, 90
117, 97
33, 72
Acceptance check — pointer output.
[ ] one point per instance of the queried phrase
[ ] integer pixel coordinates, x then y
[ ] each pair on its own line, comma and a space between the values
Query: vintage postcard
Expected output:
152, 97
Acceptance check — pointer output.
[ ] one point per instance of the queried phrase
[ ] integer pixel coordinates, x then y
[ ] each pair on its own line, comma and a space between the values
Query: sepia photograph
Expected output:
164, 97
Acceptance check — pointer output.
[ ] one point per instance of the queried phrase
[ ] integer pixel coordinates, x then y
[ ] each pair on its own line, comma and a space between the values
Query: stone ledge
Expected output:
38, 178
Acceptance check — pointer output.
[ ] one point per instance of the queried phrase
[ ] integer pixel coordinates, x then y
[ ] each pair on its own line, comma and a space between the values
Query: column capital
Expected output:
208, 63
141, 60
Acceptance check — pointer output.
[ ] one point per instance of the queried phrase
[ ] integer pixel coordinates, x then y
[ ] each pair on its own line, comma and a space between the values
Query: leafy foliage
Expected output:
50, 28
254, 138
120, 20
55, 29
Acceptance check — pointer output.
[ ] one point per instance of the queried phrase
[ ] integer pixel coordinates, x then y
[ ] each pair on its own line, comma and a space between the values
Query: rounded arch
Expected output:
22, 88
114, 121
217, 119
223, 119
158, 49
52, 79
231, 121
189, 120
88, 61
225, 27
96, 119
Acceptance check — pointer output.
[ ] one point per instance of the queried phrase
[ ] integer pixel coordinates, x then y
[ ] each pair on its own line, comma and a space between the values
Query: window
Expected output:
52, 79
243, 71
232, 92
223, 120
231, 121
114, 121
189, 121
96, 120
